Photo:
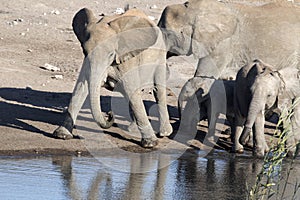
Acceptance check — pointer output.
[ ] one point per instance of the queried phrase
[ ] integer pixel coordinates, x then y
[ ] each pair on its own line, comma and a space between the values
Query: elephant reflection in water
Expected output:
136, 187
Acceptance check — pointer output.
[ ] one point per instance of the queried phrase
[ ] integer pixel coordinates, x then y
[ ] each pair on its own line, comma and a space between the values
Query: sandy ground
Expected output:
32, 100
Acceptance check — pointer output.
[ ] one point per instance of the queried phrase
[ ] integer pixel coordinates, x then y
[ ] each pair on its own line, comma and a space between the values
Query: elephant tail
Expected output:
81, 20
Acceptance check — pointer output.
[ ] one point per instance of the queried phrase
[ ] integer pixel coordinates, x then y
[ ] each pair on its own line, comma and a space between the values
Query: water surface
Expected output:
219, 175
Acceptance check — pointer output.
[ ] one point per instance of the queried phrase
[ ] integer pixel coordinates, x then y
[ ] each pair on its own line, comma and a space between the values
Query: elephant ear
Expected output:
135, 34
81, 21
255, 68
214, 23
289, 88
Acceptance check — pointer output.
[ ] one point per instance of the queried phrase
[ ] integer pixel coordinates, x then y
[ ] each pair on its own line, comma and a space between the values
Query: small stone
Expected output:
50, 67
29, 50
151, 18
14, 23
23, 34
153, 7
58, 76
1, 38
55, 12
119, 11
28, 87
43, 84
19, 20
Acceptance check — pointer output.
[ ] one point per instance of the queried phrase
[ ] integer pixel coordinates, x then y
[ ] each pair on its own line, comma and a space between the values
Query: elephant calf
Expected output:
219, 100
260, 89
125, 51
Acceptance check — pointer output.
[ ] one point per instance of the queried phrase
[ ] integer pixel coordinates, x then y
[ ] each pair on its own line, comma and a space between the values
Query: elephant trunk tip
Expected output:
245, 135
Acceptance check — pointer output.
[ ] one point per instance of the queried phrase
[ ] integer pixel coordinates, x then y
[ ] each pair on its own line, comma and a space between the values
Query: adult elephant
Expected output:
127, 50
225, 36
267, 90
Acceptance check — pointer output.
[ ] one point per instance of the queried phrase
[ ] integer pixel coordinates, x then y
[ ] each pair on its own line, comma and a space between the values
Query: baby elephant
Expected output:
259, 89
219, 100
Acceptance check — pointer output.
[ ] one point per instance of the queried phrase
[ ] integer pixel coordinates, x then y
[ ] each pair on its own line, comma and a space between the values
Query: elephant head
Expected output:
113, 39
271, 89
196, 27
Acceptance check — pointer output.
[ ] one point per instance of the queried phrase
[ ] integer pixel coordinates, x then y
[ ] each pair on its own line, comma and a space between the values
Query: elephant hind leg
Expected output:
166, 128
149, 138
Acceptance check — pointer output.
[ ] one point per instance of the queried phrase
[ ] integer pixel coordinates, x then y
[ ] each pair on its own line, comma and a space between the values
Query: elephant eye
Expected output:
111, 54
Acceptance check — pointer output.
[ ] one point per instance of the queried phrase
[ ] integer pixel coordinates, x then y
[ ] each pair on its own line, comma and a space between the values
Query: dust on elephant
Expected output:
270, 89
223, 91
225, 36
127, 50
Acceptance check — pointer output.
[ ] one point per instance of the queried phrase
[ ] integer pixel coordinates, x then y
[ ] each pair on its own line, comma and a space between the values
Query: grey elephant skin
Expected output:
223, 91
261, 89
126, 52
224, 36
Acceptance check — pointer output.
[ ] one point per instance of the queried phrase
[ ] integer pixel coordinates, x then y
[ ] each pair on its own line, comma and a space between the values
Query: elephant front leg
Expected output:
78, 97
260, 144
149, 139
238, 129
161, 98
293, 138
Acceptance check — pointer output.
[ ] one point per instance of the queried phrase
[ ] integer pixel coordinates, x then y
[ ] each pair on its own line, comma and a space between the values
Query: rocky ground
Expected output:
37, 34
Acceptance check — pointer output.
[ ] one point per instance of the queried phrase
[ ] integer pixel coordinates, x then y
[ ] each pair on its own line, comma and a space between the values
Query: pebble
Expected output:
151, 18
58, 76
55, 12
119, 11
153, 7
50, 67
29, 50
23, 34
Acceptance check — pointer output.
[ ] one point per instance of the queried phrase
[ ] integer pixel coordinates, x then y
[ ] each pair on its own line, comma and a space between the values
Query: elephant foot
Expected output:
291, 153
238, 149
149, 143
166, 130
227, 132
62, 133
260, 152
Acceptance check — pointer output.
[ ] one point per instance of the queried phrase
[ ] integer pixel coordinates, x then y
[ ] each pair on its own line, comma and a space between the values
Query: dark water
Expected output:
219, 175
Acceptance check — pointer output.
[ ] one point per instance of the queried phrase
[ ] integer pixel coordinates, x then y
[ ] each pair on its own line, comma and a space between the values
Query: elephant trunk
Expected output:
256, 106
96, 76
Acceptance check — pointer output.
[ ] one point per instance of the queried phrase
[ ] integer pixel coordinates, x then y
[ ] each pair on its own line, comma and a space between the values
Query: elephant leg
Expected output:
161, 99
212, 121
78, 97
239, 122
149, 138
294, 137
260, 144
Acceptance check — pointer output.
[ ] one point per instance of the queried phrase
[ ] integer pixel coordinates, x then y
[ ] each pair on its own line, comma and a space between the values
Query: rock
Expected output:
14, 23
58, 76
55, 12
50, 68
153, 7
23, 34
151, 18
119, 11
29, 50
